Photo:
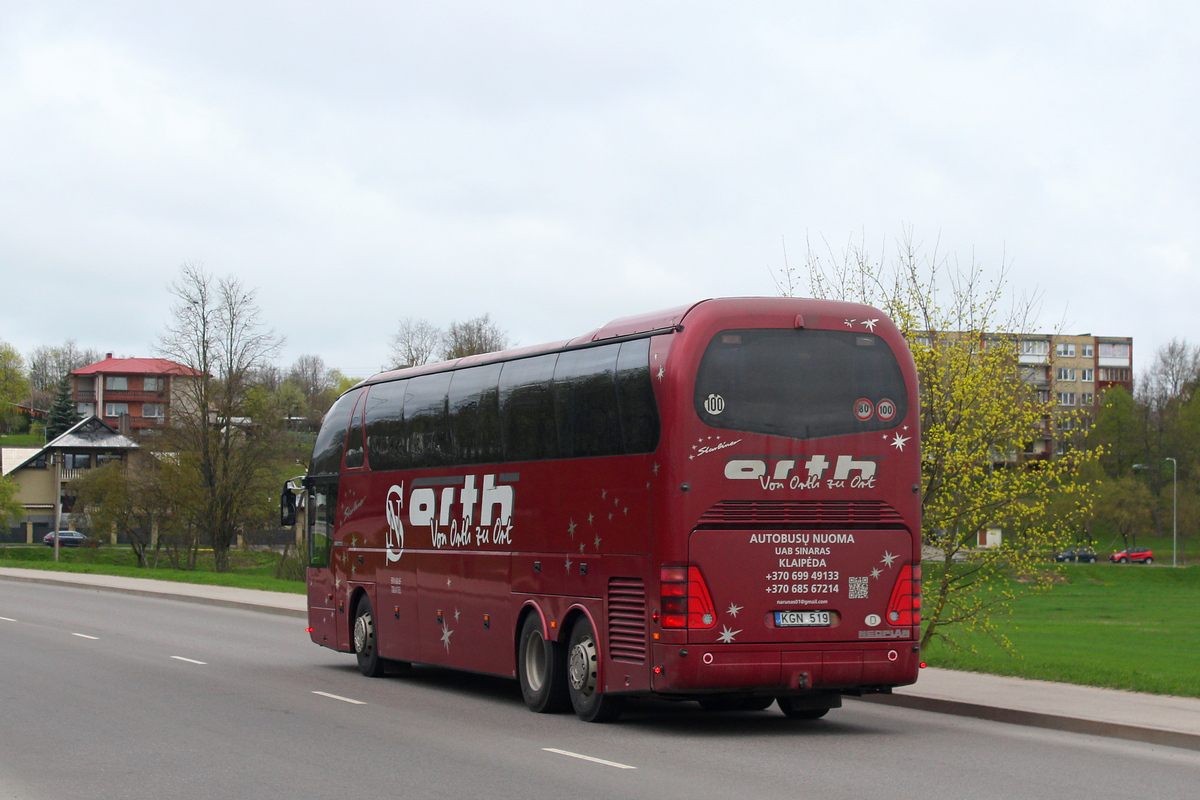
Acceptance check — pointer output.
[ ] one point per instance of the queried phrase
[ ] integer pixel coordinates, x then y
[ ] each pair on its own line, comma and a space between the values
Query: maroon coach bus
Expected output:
717, 502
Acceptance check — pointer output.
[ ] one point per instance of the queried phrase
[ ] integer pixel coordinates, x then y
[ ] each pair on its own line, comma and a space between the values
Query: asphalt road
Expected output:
106, 695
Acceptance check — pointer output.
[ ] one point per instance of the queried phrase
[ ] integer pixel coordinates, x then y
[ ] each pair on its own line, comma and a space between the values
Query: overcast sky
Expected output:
561, 164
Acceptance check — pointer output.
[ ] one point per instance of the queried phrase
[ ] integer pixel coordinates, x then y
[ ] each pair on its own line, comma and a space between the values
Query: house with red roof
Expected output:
134, 395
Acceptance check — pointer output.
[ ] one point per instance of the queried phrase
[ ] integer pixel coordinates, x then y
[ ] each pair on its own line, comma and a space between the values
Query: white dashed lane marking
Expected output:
593, 759
339, 697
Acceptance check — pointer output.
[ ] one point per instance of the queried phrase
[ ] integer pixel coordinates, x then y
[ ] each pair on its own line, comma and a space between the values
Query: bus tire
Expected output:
366, 645
797, 708
583, 677
541, 669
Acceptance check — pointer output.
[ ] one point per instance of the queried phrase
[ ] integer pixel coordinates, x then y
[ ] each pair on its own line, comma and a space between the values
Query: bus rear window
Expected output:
802, 384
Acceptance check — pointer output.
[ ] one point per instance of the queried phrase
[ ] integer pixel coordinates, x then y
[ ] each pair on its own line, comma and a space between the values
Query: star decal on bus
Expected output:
850, 323
569, 562
661, 371
456, 615
446, 632
590, 518
899, 441
727, 635
581, 547
869, 324
733, 609
571, 528
604, 494
597, 542
888, 558
654, 468
875, 573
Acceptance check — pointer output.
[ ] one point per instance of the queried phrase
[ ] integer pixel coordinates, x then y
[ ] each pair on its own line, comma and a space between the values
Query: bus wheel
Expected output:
541, 669
583, 671
796, 708
758, 703
366, 647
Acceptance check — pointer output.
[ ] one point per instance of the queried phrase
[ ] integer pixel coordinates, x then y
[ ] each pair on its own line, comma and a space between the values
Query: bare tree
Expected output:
310, 376
48, 365
472, 337
414, 343
225, 454
269, 377
1176, 367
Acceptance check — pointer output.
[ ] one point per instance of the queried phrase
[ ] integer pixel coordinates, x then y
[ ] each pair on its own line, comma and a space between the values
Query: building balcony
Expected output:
129, 395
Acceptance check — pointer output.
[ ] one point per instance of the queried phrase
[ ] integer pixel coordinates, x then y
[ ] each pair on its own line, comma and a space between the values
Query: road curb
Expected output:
1034, 719
184, 598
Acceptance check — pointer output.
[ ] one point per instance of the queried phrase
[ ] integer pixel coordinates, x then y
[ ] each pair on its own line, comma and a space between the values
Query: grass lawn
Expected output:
248, 569
1120, 626
23, 440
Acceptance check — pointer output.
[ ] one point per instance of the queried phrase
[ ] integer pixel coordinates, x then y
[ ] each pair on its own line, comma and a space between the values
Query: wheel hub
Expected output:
581, 666
364, 630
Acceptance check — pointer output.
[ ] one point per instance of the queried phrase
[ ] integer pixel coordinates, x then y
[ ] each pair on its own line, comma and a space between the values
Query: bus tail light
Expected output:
685, 600
905, 606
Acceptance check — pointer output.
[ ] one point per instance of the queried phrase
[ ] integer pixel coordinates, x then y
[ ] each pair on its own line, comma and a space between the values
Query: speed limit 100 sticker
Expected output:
886, 410
864, 409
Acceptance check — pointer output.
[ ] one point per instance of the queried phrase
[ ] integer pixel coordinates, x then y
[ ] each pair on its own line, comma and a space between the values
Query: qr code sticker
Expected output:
858, 588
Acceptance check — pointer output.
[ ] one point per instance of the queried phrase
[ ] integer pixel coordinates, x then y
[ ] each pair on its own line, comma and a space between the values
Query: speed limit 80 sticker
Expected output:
864, 409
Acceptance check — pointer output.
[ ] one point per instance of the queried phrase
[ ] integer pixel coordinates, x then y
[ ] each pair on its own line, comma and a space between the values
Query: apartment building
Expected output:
1072, 373
134, 395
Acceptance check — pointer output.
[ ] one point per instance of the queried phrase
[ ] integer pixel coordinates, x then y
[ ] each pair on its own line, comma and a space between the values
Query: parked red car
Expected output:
1138, 555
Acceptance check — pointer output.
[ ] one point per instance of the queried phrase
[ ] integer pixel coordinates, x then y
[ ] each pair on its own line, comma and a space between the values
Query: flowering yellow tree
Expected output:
977, 417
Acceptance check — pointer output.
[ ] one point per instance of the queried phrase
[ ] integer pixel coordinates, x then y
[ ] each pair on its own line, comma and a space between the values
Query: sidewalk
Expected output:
1157, 719
1153, 718
292, 605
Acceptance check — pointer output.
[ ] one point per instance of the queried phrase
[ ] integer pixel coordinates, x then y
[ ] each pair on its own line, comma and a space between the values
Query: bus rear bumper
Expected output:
690, 669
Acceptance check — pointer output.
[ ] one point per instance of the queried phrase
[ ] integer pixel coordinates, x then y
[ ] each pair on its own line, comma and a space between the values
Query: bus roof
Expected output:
662, 320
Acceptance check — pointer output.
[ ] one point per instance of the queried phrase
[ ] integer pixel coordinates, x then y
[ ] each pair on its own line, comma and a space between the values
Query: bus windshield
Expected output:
802, 384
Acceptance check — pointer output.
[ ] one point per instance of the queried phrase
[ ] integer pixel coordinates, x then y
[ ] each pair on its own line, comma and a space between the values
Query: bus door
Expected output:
321, 505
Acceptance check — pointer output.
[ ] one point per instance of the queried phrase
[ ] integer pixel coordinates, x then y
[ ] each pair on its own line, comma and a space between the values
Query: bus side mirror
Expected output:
287, 508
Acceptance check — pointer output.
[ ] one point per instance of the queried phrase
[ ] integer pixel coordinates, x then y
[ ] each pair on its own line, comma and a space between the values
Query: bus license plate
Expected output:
801, 619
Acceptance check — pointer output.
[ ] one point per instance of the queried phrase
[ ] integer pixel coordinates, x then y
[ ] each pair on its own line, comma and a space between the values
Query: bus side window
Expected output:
585, 402
635, 398
527, 409
475, 415
425, 420
327, 450
387, 443
355, 455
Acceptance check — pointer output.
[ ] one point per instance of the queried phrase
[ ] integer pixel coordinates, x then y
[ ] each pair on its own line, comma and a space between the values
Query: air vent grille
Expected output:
627, 619
772, 514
